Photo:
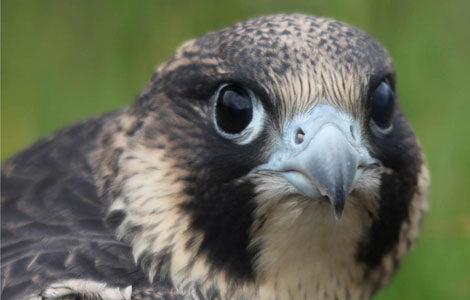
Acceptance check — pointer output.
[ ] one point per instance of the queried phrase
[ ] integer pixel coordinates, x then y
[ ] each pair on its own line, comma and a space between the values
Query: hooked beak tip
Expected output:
339, 211
337, 203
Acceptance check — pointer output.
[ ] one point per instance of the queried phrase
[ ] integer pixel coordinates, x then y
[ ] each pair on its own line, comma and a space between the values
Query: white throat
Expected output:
306, 252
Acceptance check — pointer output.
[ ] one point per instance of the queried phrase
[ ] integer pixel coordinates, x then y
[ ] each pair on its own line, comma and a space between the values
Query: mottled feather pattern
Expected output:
54, 220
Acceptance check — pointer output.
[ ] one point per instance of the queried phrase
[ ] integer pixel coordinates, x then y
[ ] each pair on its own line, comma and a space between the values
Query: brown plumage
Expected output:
265, 160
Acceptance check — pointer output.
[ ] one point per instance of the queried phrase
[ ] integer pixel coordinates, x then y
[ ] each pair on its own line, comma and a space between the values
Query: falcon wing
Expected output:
52, 228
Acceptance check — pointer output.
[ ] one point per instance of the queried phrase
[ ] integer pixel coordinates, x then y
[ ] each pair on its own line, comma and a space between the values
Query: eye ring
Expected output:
382, 104
381, 132
255, 124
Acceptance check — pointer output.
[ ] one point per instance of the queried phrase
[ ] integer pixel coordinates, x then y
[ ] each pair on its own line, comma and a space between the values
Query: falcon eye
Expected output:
237, 113
383, 105
234, 109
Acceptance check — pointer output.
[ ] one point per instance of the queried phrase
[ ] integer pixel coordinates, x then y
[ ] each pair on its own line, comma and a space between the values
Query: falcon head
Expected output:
270, 158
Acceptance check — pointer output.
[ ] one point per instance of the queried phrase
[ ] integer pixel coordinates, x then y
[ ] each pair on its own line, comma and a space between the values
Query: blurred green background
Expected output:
65, 60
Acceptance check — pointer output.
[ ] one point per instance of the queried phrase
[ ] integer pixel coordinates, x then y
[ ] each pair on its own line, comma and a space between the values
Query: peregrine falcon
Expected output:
267, 160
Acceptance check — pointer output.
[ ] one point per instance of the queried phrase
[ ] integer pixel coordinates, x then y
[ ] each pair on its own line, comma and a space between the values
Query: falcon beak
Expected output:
321, 155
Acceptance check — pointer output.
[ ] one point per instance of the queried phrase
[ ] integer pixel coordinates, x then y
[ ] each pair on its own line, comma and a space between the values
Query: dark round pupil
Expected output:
234, 109
383, 105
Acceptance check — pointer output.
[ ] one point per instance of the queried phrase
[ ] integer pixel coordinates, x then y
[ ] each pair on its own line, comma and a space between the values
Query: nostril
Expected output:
351, 129
300, 136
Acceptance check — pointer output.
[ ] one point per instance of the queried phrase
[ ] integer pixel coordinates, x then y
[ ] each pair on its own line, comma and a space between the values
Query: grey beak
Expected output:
322, 156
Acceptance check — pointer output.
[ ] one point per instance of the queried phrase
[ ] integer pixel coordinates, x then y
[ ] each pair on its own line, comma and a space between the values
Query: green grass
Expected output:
65, 60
